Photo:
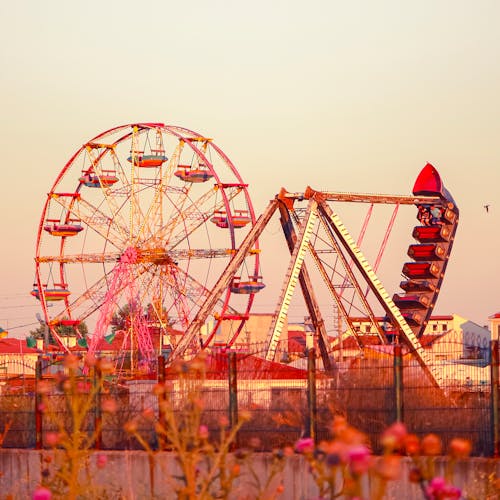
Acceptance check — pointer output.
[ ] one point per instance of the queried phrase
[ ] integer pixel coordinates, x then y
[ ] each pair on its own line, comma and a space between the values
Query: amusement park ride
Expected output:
156, 220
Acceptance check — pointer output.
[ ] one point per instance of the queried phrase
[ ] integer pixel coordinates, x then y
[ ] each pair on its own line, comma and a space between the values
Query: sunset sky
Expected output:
343, 96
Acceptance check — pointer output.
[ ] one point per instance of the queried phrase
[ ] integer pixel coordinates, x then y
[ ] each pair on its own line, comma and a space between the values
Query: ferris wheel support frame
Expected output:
118, 229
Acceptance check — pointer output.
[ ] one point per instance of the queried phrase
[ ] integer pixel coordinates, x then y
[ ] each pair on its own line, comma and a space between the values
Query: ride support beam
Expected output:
291, 278
307, 289
366, 197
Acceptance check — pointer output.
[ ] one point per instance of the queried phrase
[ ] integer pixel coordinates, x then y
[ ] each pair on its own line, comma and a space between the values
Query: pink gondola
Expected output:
195, 175
239, 219
55, 229
106, 179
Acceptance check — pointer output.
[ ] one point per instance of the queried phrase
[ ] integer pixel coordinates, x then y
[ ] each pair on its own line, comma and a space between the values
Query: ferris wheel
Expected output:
141, 221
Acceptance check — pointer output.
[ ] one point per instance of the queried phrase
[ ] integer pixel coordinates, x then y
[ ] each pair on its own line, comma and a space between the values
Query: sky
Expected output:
342, 96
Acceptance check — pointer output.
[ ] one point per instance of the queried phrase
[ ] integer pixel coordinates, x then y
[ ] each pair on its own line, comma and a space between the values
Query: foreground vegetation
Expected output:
212, 465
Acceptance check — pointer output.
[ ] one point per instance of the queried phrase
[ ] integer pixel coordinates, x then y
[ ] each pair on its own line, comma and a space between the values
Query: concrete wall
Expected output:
132, 475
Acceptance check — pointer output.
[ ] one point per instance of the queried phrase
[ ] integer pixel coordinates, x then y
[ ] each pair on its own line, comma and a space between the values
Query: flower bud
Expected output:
42, 493
460, 448
431, 445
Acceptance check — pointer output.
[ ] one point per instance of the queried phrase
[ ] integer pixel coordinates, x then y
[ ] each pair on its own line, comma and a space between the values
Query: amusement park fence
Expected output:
371, 391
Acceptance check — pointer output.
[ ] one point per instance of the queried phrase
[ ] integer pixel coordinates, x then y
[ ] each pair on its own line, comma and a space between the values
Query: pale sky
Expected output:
342, 96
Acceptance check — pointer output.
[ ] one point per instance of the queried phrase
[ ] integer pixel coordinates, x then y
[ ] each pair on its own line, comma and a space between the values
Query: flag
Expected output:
82, 342
109, 338
3, 333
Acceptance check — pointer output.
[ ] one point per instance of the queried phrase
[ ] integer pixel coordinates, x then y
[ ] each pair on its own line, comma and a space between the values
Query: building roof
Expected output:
365, 319
16, 346
371, 340
249, 367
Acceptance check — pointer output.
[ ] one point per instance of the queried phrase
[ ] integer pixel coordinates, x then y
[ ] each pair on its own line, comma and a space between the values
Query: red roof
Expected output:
296, 340
249, 367
16, 346
119, 343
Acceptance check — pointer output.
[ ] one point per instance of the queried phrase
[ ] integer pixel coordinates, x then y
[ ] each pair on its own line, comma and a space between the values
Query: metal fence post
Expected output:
312, 410
494, 377
38, 405
233, 389
97, 381
162, 397
398, 382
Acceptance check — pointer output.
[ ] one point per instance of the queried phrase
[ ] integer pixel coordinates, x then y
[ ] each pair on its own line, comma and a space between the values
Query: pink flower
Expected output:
439, 489
304, 445
431, 445
359, 459
203, 432
102, 460
460, 448
223, 421
42, 493
52, 438
394, 436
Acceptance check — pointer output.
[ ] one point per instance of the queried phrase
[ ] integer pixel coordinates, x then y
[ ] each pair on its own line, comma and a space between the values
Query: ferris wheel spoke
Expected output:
84, 258
95, 219
153, 219
194, 216
193, 253
93, 297
87, 302
197, 289
189, 217
97, 168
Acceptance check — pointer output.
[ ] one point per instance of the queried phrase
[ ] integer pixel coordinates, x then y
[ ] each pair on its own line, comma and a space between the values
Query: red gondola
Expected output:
416, 301
91, 179
411, 286
189, 174
427, 252
239, 219
421, 270
413, 318
432, 233
55, 229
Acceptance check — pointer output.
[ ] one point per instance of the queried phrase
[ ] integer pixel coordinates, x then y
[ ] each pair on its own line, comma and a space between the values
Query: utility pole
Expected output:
45, 327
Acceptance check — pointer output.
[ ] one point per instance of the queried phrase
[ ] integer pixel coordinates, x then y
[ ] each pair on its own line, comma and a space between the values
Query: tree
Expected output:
62, 330
121, 319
